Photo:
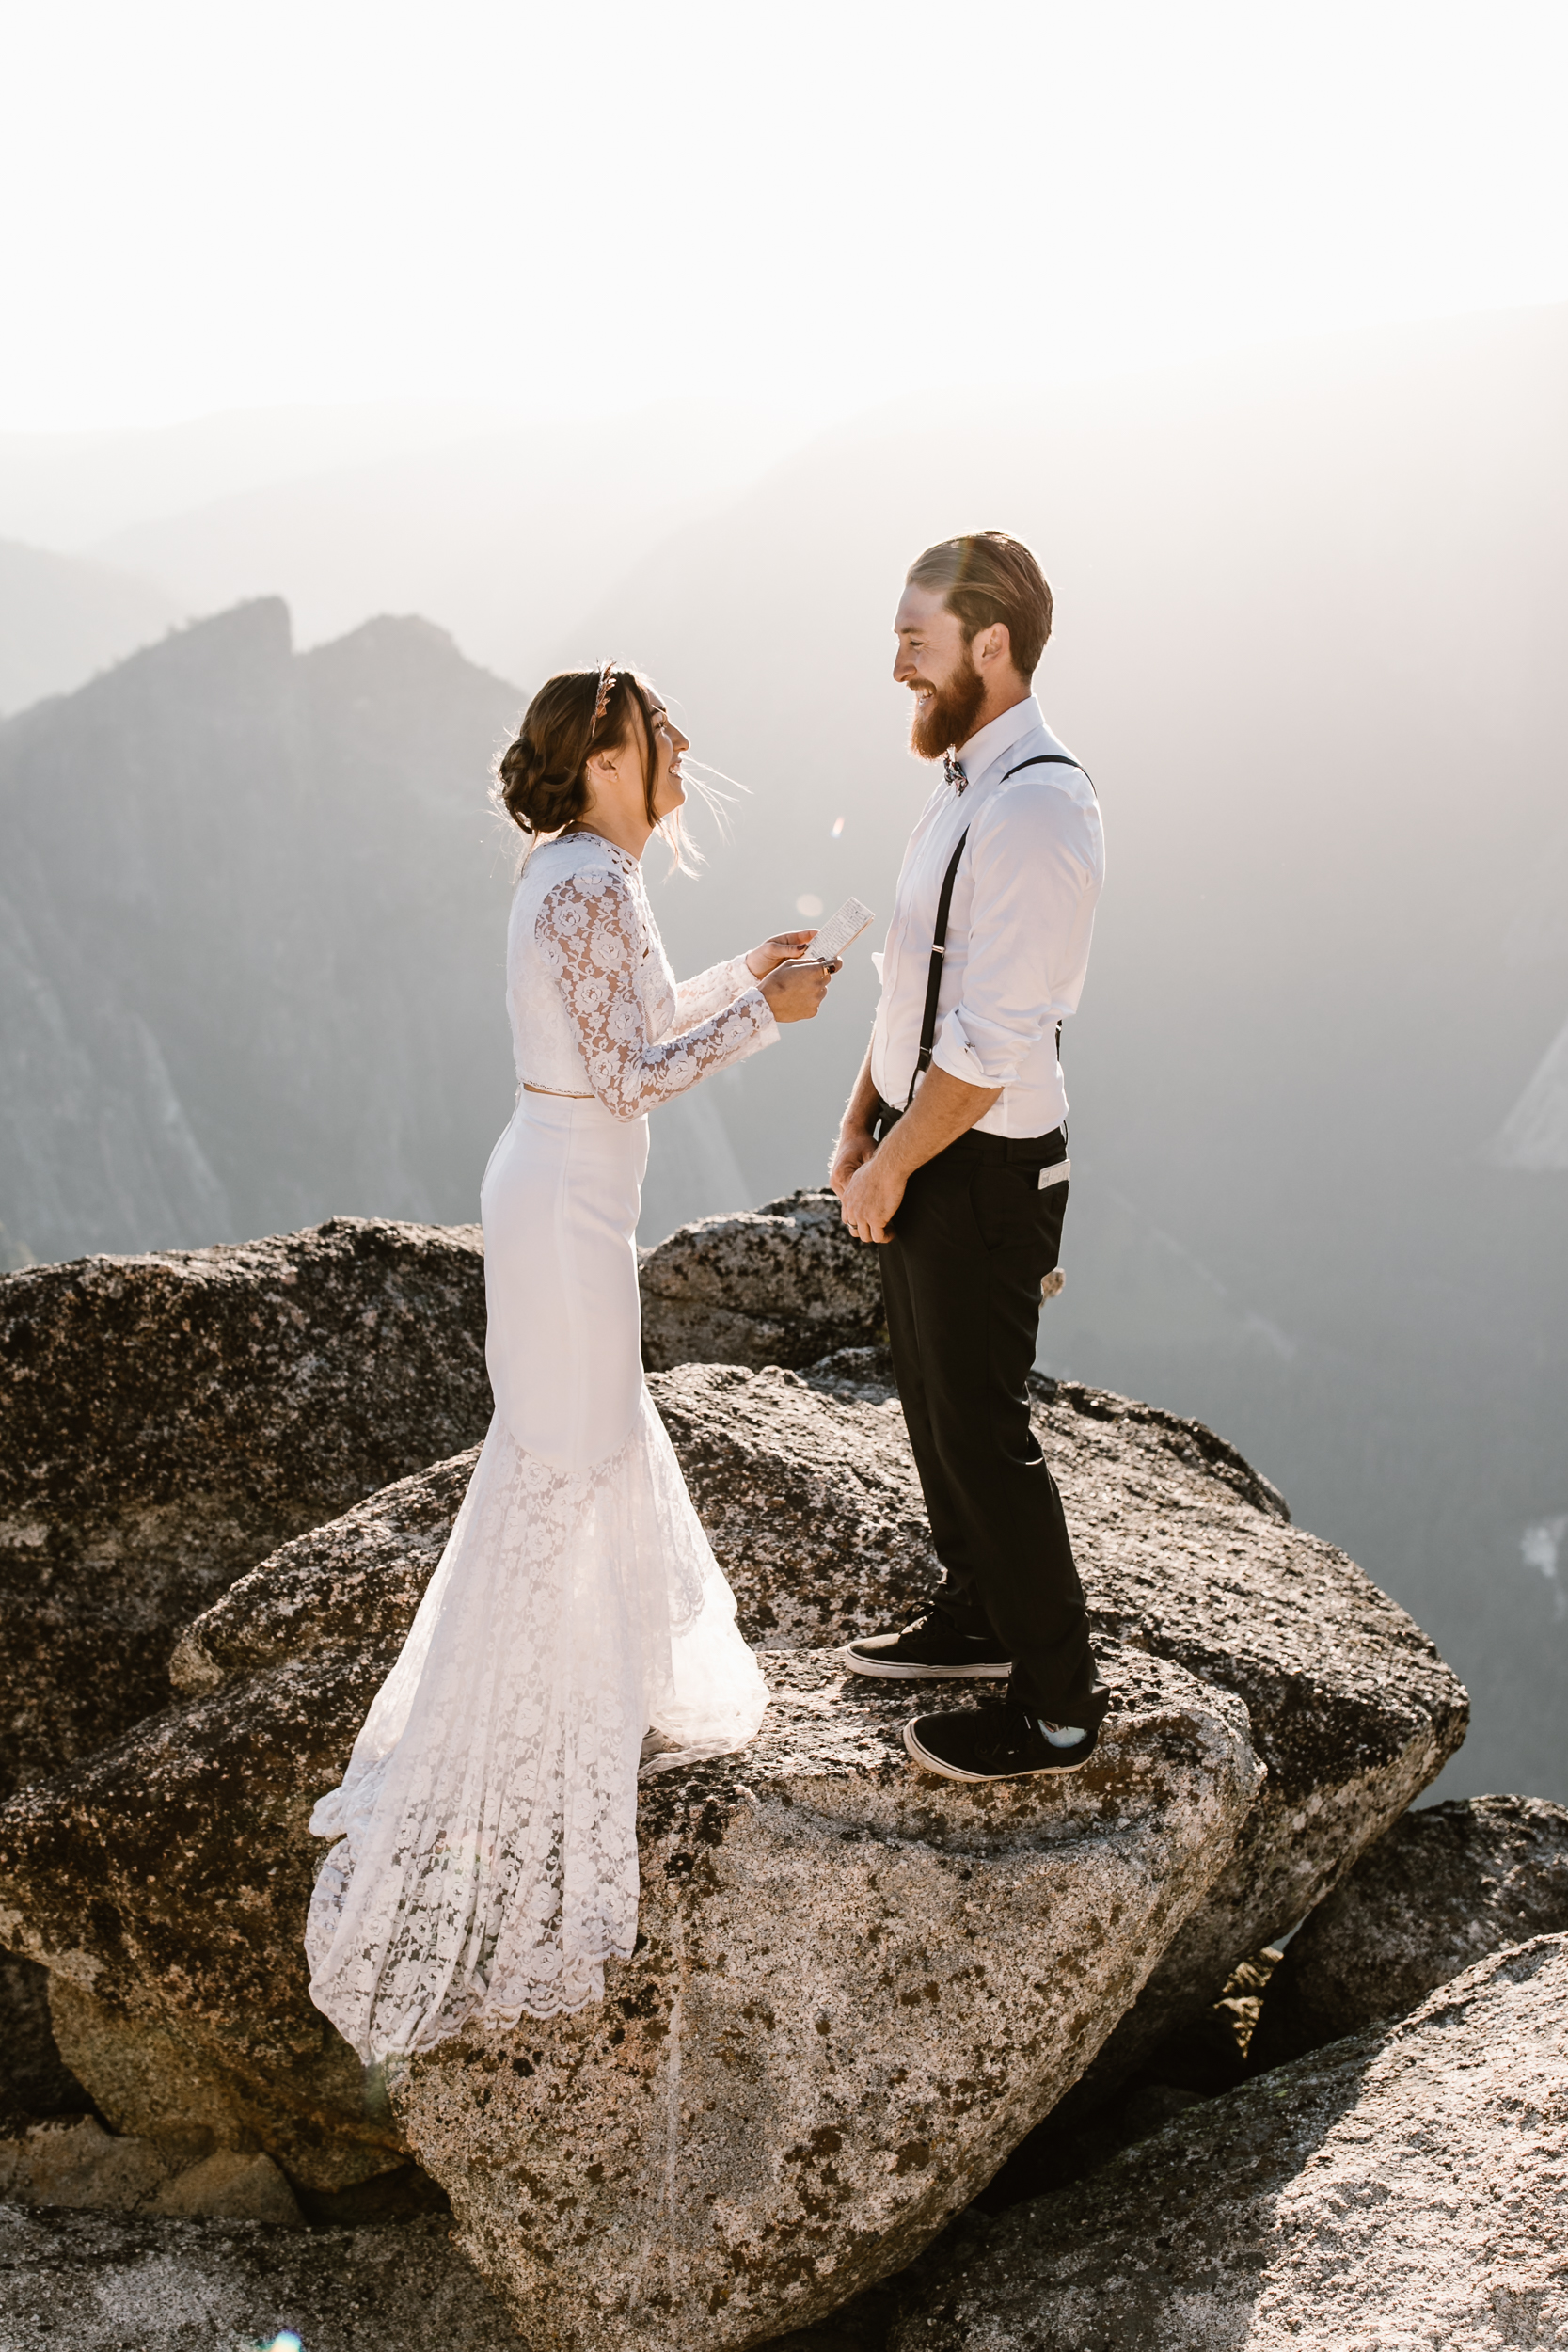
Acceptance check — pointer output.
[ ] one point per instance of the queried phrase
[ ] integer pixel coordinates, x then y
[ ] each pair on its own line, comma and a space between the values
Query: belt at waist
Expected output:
1026, 1150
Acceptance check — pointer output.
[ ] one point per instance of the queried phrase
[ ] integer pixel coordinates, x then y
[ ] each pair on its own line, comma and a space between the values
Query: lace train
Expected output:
486, 1865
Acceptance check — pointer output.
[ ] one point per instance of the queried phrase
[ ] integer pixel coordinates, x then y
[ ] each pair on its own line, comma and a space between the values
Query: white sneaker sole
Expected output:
899, 1670
929, 1763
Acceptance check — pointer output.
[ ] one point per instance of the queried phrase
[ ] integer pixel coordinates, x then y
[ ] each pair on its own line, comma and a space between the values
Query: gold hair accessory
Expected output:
607, 682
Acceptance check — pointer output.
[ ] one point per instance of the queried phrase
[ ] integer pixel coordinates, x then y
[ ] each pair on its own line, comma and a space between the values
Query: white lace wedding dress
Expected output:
486, 1861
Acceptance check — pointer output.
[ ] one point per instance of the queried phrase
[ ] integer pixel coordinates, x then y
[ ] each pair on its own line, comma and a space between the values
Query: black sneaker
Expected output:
930, 1649
991, 1743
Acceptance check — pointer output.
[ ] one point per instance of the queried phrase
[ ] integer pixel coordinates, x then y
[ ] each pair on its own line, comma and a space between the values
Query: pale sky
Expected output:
565, 207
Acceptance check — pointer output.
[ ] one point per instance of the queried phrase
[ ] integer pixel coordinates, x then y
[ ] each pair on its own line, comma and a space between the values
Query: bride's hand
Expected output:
795, 991
781, 950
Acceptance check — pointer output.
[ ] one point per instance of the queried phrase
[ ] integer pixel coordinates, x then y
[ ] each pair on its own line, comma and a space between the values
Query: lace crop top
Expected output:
595, 1008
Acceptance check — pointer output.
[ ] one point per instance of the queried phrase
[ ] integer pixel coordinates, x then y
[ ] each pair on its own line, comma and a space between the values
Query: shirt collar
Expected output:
984, 750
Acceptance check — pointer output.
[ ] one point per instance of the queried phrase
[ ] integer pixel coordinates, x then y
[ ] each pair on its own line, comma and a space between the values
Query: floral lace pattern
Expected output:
486, 1862
596, 938
485, 1858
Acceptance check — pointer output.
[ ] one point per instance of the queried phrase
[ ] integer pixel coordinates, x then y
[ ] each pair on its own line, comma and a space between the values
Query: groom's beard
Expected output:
949, 719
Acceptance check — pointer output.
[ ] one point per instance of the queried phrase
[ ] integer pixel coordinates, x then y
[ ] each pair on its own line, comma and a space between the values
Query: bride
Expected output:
486, 1857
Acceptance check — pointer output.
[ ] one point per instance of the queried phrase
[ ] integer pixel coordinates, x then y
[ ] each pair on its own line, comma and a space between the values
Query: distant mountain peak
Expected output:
65, 617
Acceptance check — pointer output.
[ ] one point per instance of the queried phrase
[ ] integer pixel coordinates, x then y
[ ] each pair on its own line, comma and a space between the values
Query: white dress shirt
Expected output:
1018, 930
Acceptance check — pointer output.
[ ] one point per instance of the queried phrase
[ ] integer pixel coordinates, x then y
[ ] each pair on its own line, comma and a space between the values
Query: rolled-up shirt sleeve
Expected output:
1038, 864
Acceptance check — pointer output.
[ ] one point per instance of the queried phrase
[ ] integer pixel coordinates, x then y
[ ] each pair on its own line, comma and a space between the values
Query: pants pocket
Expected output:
1013, 1213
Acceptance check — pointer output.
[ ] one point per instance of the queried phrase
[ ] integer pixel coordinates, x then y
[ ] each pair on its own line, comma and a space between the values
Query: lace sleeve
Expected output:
589, 938
711, 991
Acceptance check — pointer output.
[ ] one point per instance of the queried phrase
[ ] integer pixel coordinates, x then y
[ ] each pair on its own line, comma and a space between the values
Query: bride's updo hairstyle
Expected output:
540, 781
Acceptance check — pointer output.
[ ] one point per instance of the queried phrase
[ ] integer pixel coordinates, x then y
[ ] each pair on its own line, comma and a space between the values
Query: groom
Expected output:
952, 1157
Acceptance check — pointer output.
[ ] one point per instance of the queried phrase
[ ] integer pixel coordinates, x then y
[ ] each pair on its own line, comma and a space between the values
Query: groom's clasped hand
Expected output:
793, 984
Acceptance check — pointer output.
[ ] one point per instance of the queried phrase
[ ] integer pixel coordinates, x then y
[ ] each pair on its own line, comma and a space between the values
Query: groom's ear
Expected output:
990, 646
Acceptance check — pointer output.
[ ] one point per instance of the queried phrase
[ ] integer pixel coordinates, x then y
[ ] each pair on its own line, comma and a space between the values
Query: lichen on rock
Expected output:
1184, 1550
782, 1284
188, 1835
1403, 2187
806, 1486
99, 2281
170, 1420
79, 2167
1443, 1888
856, 1986
1352, 1708
810, 1501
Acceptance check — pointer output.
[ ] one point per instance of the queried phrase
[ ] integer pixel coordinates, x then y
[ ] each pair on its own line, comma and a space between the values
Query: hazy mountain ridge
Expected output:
251, 914
494, 523
62, 617
252, 927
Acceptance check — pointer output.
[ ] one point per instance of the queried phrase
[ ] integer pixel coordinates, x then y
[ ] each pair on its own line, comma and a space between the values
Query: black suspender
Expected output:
938, 936
1052, 759
933, 978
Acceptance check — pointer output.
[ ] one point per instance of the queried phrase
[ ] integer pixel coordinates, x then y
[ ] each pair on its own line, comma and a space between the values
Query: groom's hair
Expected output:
986, 577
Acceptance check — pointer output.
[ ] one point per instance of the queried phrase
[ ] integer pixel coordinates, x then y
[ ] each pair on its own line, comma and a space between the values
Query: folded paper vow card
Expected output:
839, 931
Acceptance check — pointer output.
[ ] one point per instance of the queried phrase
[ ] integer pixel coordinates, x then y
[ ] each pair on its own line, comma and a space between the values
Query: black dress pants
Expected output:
974, 1237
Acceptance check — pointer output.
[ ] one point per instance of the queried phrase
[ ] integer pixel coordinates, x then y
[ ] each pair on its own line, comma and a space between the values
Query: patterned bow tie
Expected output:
952, 772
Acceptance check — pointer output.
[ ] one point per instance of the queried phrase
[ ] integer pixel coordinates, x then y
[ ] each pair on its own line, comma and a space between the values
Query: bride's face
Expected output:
617, 778
668, 744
